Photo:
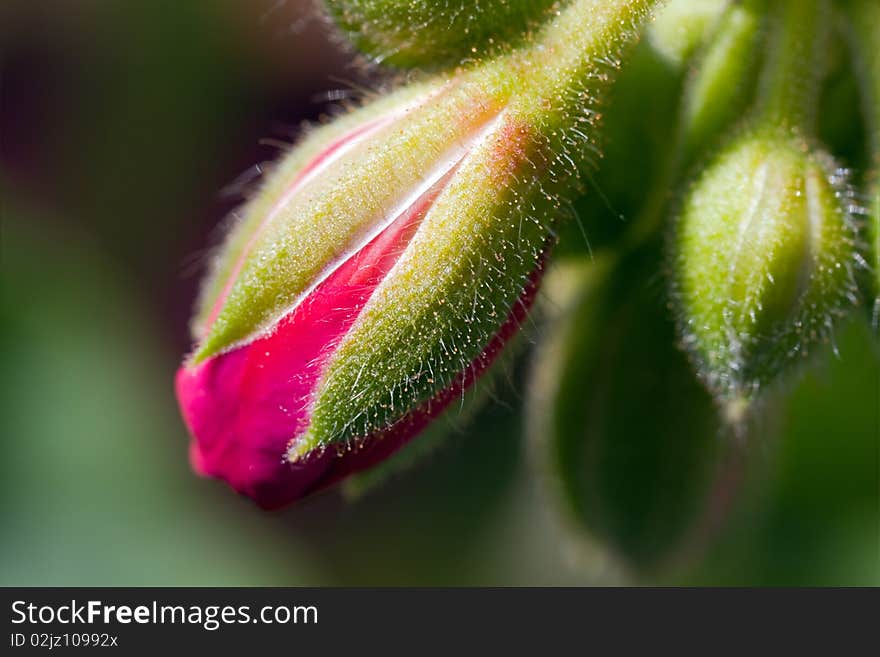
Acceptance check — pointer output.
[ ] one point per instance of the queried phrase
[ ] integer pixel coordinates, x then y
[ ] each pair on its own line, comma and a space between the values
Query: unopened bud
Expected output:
388, 260
764, 260
721, 85
681, 26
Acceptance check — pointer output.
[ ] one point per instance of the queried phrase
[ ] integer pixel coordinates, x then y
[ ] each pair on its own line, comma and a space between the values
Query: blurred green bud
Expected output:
764, 261
721, 83
419, 33
626, 437
681, 27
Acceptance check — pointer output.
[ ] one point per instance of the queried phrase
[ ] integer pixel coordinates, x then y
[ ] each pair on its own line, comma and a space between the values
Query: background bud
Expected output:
764, 258
681, 26
721, 84
764, 245
625, 435
409, 33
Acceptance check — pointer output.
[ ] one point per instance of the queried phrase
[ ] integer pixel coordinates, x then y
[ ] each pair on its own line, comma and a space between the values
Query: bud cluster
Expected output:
390, 256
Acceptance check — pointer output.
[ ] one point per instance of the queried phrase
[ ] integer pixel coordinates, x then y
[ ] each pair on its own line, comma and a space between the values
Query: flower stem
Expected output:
577, 49
715, 94
789, 85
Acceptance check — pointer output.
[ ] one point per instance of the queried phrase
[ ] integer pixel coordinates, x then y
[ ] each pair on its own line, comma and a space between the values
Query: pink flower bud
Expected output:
385, 263
248, 406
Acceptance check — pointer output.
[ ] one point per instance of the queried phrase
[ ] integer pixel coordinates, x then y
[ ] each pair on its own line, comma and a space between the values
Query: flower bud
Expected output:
764, 246
399, 211
383, 266
681, 27
721, 84
410, 33
626, 436
764, 261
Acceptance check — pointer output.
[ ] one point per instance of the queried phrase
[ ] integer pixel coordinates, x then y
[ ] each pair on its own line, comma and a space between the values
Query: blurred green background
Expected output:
128, 132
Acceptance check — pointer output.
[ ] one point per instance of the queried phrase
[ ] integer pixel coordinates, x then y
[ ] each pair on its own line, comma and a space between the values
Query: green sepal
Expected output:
482, 243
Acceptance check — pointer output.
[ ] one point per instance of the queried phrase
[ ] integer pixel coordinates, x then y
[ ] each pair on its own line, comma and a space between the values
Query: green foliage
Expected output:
626, 437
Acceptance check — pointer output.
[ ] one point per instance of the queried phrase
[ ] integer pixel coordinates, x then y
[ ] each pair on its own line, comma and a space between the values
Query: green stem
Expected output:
715, 94
577, 48
718, 92
790, 81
